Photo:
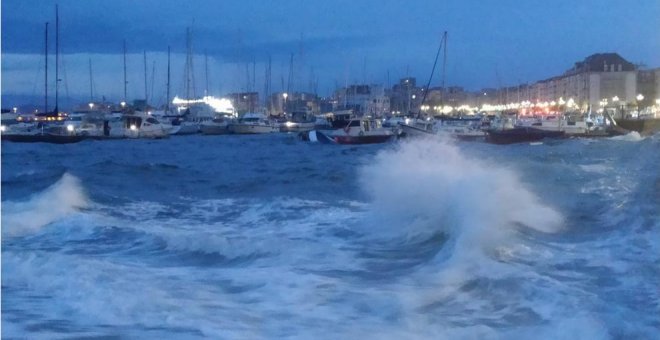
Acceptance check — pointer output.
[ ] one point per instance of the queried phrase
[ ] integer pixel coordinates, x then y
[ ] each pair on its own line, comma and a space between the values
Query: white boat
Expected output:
460, 128
254, 123
417, 127
142, 125
552, 123
218, 126
358, 131
299, 121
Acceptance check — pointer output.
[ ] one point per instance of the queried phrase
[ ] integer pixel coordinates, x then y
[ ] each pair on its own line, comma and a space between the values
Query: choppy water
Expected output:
268, 237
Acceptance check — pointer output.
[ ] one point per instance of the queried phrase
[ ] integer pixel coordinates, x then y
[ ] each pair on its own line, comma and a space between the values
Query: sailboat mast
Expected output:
146, 96
57, 58
91, 82
206, 73
188, 66
125, 81
46, 73
444, 66
167, 107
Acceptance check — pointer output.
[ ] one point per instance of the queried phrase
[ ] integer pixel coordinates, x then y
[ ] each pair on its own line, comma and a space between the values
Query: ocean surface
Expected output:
249, 237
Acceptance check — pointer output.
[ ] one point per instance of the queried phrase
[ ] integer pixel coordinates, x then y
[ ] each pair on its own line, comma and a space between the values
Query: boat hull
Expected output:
297, 126
520, 135
352, 140
44, 138
413, 131
645, 127
215, 129
244, 129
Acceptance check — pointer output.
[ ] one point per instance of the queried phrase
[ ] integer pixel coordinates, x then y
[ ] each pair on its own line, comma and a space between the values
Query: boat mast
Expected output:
91, 82
167, 106
46, 73
57, 58
146, 96
187, 70
206, 73
437, 55
125, 81
444, 65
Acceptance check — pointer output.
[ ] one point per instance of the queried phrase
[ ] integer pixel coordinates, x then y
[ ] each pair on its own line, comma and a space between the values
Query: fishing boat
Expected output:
358, 131
417, 127
253, 123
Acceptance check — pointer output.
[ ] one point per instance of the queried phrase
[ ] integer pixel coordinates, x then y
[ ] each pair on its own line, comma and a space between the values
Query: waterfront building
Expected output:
244, 101
368, 100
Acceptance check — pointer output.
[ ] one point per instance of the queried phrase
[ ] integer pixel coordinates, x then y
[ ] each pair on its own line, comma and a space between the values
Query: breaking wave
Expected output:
428, 187
61, 199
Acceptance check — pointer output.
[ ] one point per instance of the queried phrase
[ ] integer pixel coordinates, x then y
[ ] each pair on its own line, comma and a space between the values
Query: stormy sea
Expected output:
234, 237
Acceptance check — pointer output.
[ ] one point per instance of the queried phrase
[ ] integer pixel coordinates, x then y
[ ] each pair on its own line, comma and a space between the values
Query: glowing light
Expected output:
615, 99
123, 104
218, 104
70, 128
3, 128
285, 95
133, 127
640, 97
15, 109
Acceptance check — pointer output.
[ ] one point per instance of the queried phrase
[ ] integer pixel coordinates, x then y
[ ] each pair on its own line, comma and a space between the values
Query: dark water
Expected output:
268, 237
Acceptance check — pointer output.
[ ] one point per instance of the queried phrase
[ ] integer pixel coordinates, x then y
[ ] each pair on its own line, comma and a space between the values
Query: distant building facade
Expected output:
368, 100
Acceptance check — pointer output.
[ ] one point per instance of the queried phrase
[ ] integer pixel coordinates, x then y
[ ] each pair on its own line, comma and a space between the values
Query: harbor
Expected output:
332, 169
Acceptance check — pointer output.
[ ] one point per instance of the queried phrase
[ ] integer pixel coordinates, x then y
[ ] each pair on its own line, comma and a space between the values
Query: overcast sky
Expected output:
491, 43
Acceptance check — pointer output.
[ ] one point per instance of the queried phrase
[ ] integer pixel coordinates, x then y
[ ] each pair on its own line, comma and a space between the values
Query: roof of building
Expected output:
601, 62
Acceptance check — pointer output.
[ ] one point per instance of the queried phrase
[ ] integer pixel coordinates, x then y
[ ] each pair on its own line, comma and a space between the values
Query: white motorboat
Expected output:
142, 125
253, 123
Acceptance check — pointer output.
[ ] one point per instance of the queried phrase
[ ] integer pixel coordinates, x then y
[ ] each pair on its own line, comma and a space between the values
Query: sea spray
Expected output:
59, 200
425, 187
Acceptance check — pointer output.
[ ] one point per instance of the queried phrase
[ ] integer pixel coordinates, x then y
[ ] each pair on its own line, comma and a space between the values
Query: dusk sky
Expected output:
491, 43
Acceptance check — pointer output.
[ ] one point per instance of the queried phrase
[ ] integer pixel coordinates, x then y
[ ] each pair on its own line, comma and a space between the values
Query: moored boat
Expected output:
253, 123
358, 131
520, 135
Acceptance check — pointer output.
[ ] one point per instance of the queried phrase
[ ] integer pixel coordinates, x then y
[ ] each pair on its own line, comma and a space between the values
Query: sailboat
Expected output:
49, 129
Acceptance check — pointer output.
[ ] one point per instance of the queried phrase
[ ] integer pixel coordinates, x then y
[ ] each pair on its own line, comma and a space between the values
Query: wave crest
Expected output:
59, 200
427, 187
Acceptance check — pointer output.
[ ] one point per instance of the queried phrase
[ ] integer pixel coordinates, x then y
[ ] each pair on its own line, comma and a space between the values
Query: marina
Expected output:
330, 170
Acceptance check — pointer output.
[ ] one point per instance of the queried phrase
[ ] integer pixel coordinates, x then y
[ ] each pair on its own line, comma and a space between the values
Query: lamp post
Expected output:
639, 98
285, 96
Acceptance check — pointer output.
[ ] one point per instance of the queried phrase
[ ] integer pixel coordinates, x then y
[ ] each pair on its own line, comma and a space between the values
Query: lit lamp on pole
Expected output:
285, 96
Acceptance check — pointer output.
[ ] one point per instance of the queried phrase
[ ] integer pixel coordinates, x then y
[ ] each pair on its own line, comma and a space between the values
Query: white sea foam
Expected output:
632, 136
426, 187
61, 199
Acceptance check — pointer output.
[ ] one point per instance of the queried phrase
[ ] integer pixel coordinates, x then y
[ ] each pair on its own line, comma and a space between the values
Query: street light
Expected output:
640, 97
285, 96
91, 106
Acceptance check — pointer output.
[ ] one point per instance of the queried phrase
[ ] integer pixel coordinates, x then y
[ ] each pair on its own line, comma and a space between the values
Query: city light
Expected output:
218, 104
640, 97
